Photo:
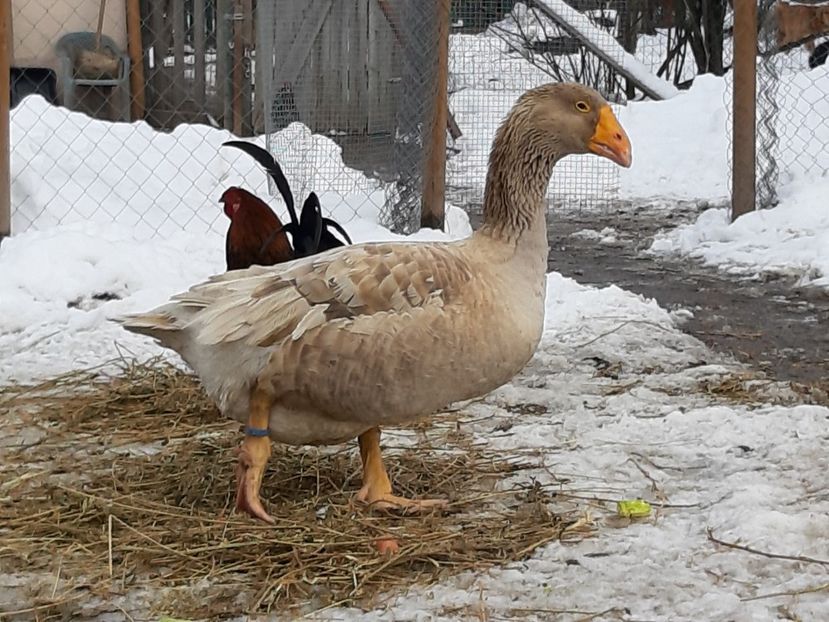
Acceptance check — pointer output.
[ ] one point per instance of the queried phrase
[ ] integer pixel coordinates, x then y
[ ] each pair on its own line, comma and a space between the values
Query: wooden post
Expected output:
199, 47
744, 136
246, 68
238, 66
136, 52
263, 53
5, 104
223, 65
179, 36
434, 175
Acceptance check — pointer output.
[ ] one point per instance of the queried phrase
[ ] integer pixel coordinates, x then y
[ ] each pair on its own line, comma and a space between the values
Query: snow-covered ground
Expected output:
753, 475
750, 475
791, 239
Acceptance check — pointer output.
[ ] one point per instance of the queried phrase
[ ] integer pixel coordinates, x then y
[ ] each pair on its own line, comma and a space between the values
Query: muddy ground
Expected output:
771, 324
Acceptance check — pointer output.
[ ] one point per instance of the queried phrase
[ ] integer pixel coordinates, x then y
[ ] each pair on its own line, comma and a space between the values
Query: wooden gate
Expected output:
335, 66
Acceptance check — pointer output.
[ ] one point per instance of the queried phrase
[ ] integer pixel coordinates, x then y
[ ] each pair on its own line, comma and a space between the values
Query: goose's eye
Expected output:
582, 106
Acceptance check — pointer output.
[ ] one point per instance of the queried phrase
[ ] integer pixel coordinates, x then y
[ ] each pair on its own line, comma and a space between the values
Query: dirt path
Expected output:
771, 325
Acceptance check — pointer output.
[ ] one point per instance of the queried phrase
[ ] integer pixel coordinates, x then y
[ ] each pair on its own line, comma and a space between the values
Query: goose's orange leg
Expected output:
376, 489
253, 457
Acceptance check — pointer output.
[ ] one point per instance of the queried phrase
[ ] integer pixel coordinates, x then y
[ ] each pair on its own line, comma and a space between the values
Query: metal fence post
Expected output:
5, 103
434, 178
743, 174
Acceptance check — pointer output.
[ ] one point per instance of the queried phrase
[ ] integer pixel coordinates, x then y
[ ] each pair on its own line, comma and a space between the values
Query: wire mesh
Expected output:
792, 136
768, 111
500, 49
342, 93
77, 84
361, 73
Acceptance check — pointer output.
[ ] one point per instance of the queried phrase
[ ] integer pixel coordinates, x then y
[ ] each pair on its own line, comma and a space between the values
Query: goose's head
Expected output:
565, 118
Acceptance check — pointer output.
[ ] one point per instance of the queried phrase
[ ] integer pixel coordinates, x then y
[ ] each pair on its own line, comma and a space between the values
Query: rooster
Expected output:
256, 235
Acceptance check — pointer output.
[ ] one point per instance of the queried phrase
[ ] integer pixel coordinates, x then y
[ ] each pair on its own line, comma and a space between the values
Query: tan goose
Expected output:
330, 347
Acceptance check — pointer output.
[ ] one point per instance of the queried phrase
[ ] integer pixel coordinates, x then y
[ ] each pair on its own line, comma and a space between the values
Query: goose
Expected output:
326, 348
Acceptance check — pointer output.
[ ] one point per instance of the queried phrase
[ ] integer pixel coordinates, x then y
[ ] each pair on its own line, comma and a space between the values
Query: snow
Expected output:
665, 569
605, 236
680, 147
486, 76
752, 475
69, 168
790, 240
479, 112
50, 319
120, 210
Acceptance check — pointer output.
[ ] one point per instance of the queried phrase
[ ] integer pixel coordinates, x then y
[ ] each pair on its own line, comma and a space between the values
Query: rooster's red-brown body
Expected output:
255, 236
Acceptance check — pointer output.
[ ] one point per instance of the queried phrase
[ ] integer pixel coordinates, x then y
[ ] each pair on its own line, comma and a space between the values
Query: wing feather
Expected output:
355, 289
345, 284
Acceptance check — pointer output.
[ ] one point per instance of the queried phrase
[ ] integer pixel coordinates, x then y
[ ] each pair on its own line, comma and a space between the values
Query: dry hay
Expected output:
754, 388
745, 387
122, 483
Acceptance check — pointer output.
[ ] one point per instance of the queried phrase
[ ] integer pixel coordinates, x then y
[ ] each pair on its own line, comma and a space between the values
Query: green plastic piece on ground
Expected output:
633, 508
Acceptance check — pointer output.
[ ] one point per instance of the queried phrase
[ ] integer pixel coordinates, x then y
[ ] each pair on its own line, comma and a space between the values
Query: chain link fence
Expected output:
127, 127
361, 73
792, 106
118, 114
500, 49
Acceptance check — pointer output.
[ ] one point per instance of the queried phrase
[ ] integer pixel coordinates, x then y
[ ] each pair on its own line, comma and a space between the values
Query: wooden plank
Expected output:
238, 66
374, 61
179, 36
359, 110
392, 19
341, 46
223, 64
321, 79
434, 176
199, 50
6, 54
247, 75
303, 41
356, 69
382, 98
264, 46
606, 48
159, 36
323, 73
135, 50
284, 32
744, 173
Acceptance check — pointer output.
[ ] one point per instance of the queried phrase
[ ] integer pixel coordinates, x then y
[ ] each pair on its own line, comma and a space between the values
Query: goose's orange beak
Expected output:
609, 139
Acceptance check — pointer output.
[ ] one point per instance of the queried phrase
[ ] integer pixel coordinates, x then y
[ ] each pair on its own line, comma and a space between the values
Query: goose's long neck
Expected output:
520, 166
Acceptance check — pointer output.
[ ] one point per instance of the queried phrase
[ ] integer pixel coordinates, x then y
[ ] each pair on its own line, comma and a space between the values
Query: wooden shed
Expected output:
335, 65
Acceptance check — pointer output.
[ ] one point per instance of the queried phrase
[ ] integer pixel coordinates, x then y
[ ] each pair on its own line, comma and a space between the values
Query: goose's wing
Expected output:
262, 307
